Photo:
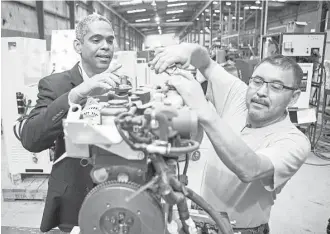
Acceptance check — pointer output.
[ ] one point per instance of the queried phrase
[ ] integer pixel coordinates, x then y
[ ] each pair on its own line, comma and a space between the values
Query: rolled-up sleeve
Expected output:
287, 156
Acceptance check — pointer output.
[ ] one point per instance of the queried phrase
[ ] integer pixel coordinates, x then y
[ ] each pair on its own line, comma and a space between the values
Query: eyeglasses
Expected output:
273, 85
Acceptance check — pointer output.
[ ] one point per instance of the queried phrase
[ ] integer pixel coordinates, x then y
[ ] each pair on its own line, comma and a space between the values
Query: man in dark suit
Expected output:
69, 182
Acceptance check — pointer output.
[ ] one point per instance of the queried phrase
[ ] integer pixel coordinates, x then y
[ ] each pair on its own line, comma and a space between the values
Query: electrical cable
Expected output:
316, 152
223, 225
186, 165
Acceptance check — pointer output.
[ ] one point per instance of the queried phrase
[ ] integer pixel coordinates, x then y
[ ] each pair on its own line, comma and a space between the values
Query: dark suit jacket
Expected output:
69, 182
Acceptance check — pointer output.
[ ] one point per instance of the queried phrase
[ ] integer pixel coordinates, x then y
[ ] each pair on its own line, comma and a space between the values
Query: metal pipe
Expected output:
266, 17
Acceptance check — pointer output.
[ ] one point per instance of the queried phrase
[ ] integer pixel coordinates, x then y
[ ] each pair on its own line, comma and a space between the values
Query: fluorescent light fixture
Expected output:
201, 31
215, 2
135, 11
157, 18
258, 2
228, 3
207, 10
177, 4
214, 14
240, 18
130, 2
217, 11
246, 7
207, 19
127, 43
254, 7
142, 20
233, 17
172, 20
174, 12
158, 27
197, 19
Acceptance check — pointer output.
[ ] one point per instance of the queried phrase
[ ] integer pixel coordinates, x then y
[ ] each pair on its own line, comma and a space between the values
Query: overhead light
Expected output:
142, 20
174, 12
197, 19
246, 7
258, 2
127, 43
254, 7
215, 2
153, 3
158, 27
135, 11
217, 11
214, 14
157, 22
233, 17
157, 19
207, 19
228, 3
206, 10
177, 4
240, 18
130, 2
172, 20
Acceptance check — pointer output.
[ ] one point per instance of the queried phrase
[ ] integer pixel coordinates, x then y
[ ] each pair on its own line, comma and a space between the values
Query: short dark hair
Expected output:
286, 63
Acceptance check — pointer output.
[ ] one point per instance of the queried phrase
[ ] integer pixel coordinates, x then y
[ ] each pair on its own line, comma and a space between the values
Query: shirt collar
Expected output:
82, 72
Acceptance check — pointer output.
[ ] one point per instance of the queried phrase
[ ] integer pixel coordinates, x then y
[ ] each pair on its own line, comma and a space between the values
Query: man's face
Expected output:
264, 103
97, 48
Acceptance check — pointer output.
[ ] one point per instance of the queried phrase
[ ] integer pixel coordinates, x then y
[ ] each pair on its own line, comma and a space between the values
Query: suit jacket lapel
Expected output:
76, 77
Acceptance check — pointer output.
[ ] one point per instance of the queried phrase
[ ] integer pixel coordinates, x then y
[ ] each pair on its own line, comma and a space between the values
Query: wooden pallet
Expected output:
30, 188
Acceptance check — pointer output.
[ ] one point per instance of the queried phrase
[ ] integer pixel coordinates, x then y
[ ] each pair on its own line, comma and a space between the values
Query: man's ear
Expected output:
295, 97
77, 46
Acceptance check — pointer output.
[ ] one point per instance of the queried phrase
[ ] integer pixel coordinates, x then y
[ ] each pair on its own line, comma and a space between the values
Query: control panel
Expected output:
303, 44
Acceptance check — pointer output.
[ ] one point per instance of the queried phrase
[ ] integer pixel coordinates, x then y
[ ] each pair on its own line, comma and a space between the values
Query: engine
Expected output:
134, 140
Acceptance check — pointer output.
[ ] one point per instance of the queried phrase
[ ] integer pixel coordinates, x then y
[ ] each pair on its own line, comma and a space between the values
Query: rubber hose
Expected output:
224, 226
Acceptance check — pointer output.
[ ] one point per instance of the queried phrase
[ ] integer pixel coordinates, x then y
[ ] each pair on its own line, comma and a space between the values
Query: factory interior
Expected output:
39, 39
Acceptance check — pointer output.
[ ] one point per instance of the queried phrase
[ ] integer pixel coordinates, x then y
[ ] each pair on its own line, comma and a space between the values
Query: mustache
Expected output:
259, 101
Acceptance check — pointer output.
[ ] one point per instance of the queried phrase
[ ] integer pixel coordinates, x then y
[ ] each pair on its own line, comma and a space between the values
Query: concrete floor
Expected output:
303, 206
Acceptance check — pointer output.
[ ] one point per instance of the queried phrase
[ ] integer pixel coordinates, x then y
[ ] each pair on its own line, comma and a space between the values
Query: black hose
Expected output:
223, 225
186, 165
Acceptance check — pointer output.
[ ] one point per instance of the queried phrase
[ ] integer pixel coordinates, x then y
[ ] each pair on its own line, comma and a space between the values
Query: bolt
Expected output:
125, 229
139, 172
121, 216
140, 155
130, 221
108, 205
113, 220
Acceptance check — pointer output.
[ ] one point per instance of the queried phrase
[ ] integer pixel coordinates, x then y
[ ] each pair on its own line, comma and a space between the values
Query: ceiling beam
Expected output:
169, 24
206, 5
119, 15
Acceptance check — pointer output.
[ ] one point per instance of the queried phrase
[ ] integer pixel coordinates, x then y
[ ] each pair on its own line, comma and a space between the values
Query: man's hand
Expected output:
190, 90
96, 85
180, 55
